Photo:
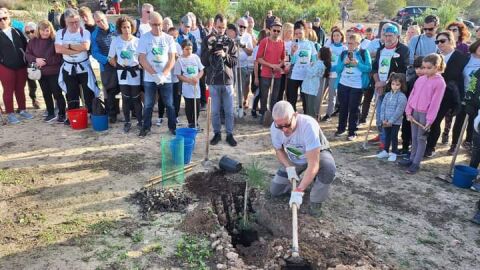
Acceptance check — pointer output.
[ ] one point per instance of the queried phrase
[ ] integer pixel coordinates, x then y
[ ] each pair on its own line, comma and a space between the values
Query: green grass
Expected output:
155, 248
10, 177
137, 237
194, 250
102, 227
56, 232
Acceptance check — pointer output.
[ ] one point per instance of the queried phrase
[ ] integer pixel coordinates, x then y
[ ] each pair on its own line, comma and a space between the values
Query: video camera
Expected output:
239, 43
217, 43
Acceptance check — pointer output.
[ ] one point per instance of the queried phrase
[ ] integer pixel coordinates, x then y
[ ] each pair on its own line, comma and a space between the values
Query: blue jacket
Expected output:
393, 106
100, 51
364, 65
181, 38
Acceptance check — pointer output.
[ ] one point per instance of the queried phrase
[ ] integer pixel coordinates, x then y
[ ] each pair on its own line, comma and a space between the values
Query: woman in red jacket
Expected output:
13, 69
41, 51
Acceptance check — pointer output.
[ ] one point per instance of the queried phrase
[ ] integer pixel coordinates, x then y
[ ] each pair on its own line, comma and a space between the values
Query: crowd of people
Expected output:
416, 82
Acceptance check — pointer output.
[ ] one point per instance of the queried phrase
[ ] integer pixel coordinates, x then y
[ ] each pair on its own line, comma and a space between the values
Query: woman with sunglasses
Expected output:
455, 62
461, 34
13, 68
30, 33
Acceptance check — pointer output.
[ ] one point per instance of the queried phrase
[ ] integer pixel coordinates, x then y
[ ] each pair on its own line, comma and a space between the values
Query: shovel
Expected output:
295, 261
267, 115
206, 162
4, 122
448, 177
364, 146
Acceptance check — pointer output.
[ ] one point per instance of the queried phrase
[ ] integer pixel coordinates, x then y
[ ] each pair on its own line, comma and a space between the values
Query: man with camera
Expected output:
219, 56
245, 46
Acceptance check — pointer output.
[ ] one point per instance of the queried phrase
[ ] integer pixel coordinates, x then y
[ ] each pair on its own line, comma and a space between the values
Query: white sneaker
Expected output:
159, 122
392, 157
383, 154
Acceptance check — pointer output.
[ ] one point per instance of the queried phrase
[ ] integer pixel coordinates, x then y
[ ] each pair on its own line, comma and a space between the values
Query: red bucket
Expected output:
78, 118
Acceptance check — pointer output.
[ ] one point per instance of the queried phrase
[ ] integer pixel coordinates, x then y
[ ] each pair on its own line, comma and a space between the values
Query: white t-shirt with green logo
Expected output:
126, 53
156, 49
336, 52
189, 67
305, 54
384, 61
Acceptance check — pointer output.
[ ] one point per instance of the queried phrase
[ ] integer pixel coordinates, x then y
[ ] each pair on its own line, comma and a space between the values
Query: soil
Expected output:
161, 200
208, 184
201, 221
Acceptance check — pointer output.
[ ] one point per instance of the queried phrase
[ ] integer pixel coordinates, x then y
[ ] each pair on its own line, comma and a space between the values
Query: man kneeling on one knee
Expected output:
300, 146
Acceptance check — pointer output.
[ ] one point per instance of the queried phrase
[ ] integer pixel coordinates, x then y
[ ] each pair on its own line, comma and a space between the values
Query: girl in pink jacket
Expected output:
422, 106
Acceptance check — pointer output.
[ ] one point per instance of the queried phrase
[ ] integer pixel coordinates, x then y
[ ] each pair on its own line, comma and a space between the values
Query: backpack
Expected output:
137, 28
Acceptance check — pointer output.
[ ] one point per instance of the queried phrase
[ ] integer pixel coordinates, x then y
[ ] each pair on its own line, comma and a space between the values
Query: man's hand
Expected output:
159, 79
220, 53
276, 67
296, 198
40, 62
256, 81
113, 62
292, 174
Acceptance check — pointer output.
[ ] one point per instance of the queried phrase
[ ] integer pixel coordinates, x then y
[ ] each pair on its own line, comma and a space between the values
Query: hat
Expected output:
186, 21
276, 22
359, 28
317, 19
391, 29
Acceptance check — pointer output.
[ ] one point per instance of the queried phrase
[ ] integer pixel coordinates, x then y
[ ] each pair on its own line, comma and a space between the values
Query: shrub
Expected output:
360, 8
446, 13
201, 8
390, 7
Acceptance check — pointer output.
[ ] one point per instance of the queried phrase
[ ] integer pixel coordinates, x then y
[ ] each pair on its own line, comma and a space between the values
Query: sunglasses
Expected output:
242, 26
30, 32
3, 19
429, 29
285, 126
276, 31
438, 41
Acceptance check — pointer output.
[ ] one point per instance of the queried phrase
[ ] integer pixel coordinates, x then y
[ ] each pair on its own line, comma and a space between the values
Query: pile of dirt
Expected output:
200, 221
213, 184
161, 200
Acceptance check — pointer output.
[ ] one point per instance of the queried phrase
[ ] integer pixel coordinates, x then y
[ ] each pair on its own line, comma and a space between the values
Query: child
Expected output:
391, 114
422, 107
313, 83
189, 70
406, 128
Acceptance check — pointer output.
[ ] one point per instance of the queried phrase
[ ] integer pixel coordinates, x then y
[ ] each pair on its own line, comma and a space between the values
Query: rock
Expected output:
232, 256
215, 244
230, 245
213, 236
219, 248
221, 266
261, 240
278, 248
225, 235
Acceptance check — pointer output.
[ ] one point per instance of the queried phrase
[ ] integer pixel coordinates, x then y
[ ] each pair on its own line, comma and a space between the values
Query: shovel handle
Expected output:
370, 124
209, 112
295, 249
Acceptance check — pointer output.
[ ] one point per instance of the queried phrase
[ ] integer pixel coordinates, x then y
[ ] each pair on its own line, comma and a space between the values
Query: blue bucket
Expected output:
189, 146
99, 122
463, 176
190, 133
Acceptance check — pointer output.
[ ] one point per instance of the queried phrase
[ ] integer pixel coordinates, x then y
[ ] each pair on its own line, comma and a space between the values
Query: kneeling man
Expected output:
300, 146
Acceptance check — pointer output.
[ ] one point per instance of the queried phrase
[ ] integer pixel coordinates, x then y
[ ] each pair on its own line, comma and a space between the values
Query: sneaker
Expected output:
12, 119
326, 118
315, 209
254, 113
444, 138
451, 150
126, 127
139, 126
375, 139
67, 122
50, 118
216, 138
467, 145
339, 133
383, 154
413, 169
476, 218
159, 122
405, 163
60, 118
392, 157
405, 153
428, 153
25, 115
352, 137
45, 113
143, 132
475, 187
231, 141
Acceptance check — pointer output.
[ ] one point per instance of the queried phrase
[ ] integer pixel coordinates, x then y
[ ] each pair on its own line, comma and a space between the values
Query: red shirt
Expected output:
272, 52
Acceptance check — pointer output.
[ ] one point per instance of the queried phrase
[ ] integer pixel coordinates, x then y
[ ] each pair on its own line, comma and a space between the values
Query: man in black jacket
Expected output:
392, 56
219, 56
317, 27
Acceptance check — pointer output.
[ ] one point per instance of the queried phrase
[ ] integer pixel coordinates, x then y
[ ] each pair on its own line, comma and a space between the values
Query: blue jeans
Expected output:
166, 93
349, 99
222, 97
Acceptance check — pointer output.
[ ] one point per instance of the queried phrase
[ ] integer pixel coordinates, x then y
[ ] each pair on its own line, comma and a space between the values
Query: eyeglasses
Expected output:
74, 22
285, 126
242, 26
30, 32
3, 19
276, 31
156, 24
441, 41
429, 29
453, 29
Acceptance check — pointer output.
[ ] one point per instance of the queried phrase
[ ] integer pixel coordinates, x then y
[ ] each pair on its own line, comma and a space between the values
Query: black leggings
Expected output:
292, 93
190, 110
50, 88
73, 83
32, 88
131, 98
435, 129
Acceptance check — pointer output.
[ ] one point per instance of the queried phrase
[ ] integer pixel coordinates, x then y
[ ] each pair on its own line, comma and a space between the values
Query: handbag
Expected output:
34, 72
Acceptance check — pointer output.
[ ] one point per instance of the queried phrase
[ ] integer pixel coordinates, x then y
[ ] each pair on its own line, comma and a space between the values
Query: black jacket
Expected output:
453, 76
397, 64
219, 70
12, 54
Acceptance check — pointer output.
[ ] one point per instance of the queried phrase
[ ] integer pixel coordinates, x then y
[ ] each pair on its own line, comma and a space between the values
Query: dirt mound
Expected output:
161, 200
212, 184
201, 221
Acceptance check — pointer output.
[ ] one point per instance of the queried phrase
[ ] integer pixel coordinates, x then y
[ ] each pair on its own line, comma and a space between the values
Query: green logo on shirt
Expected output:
126, 54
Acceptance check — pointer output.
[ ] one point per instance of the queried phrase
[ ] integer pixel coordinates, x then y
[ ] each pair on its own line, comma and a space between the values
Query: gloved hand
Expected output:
476, 122
292, 173
296, 198
159, 79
